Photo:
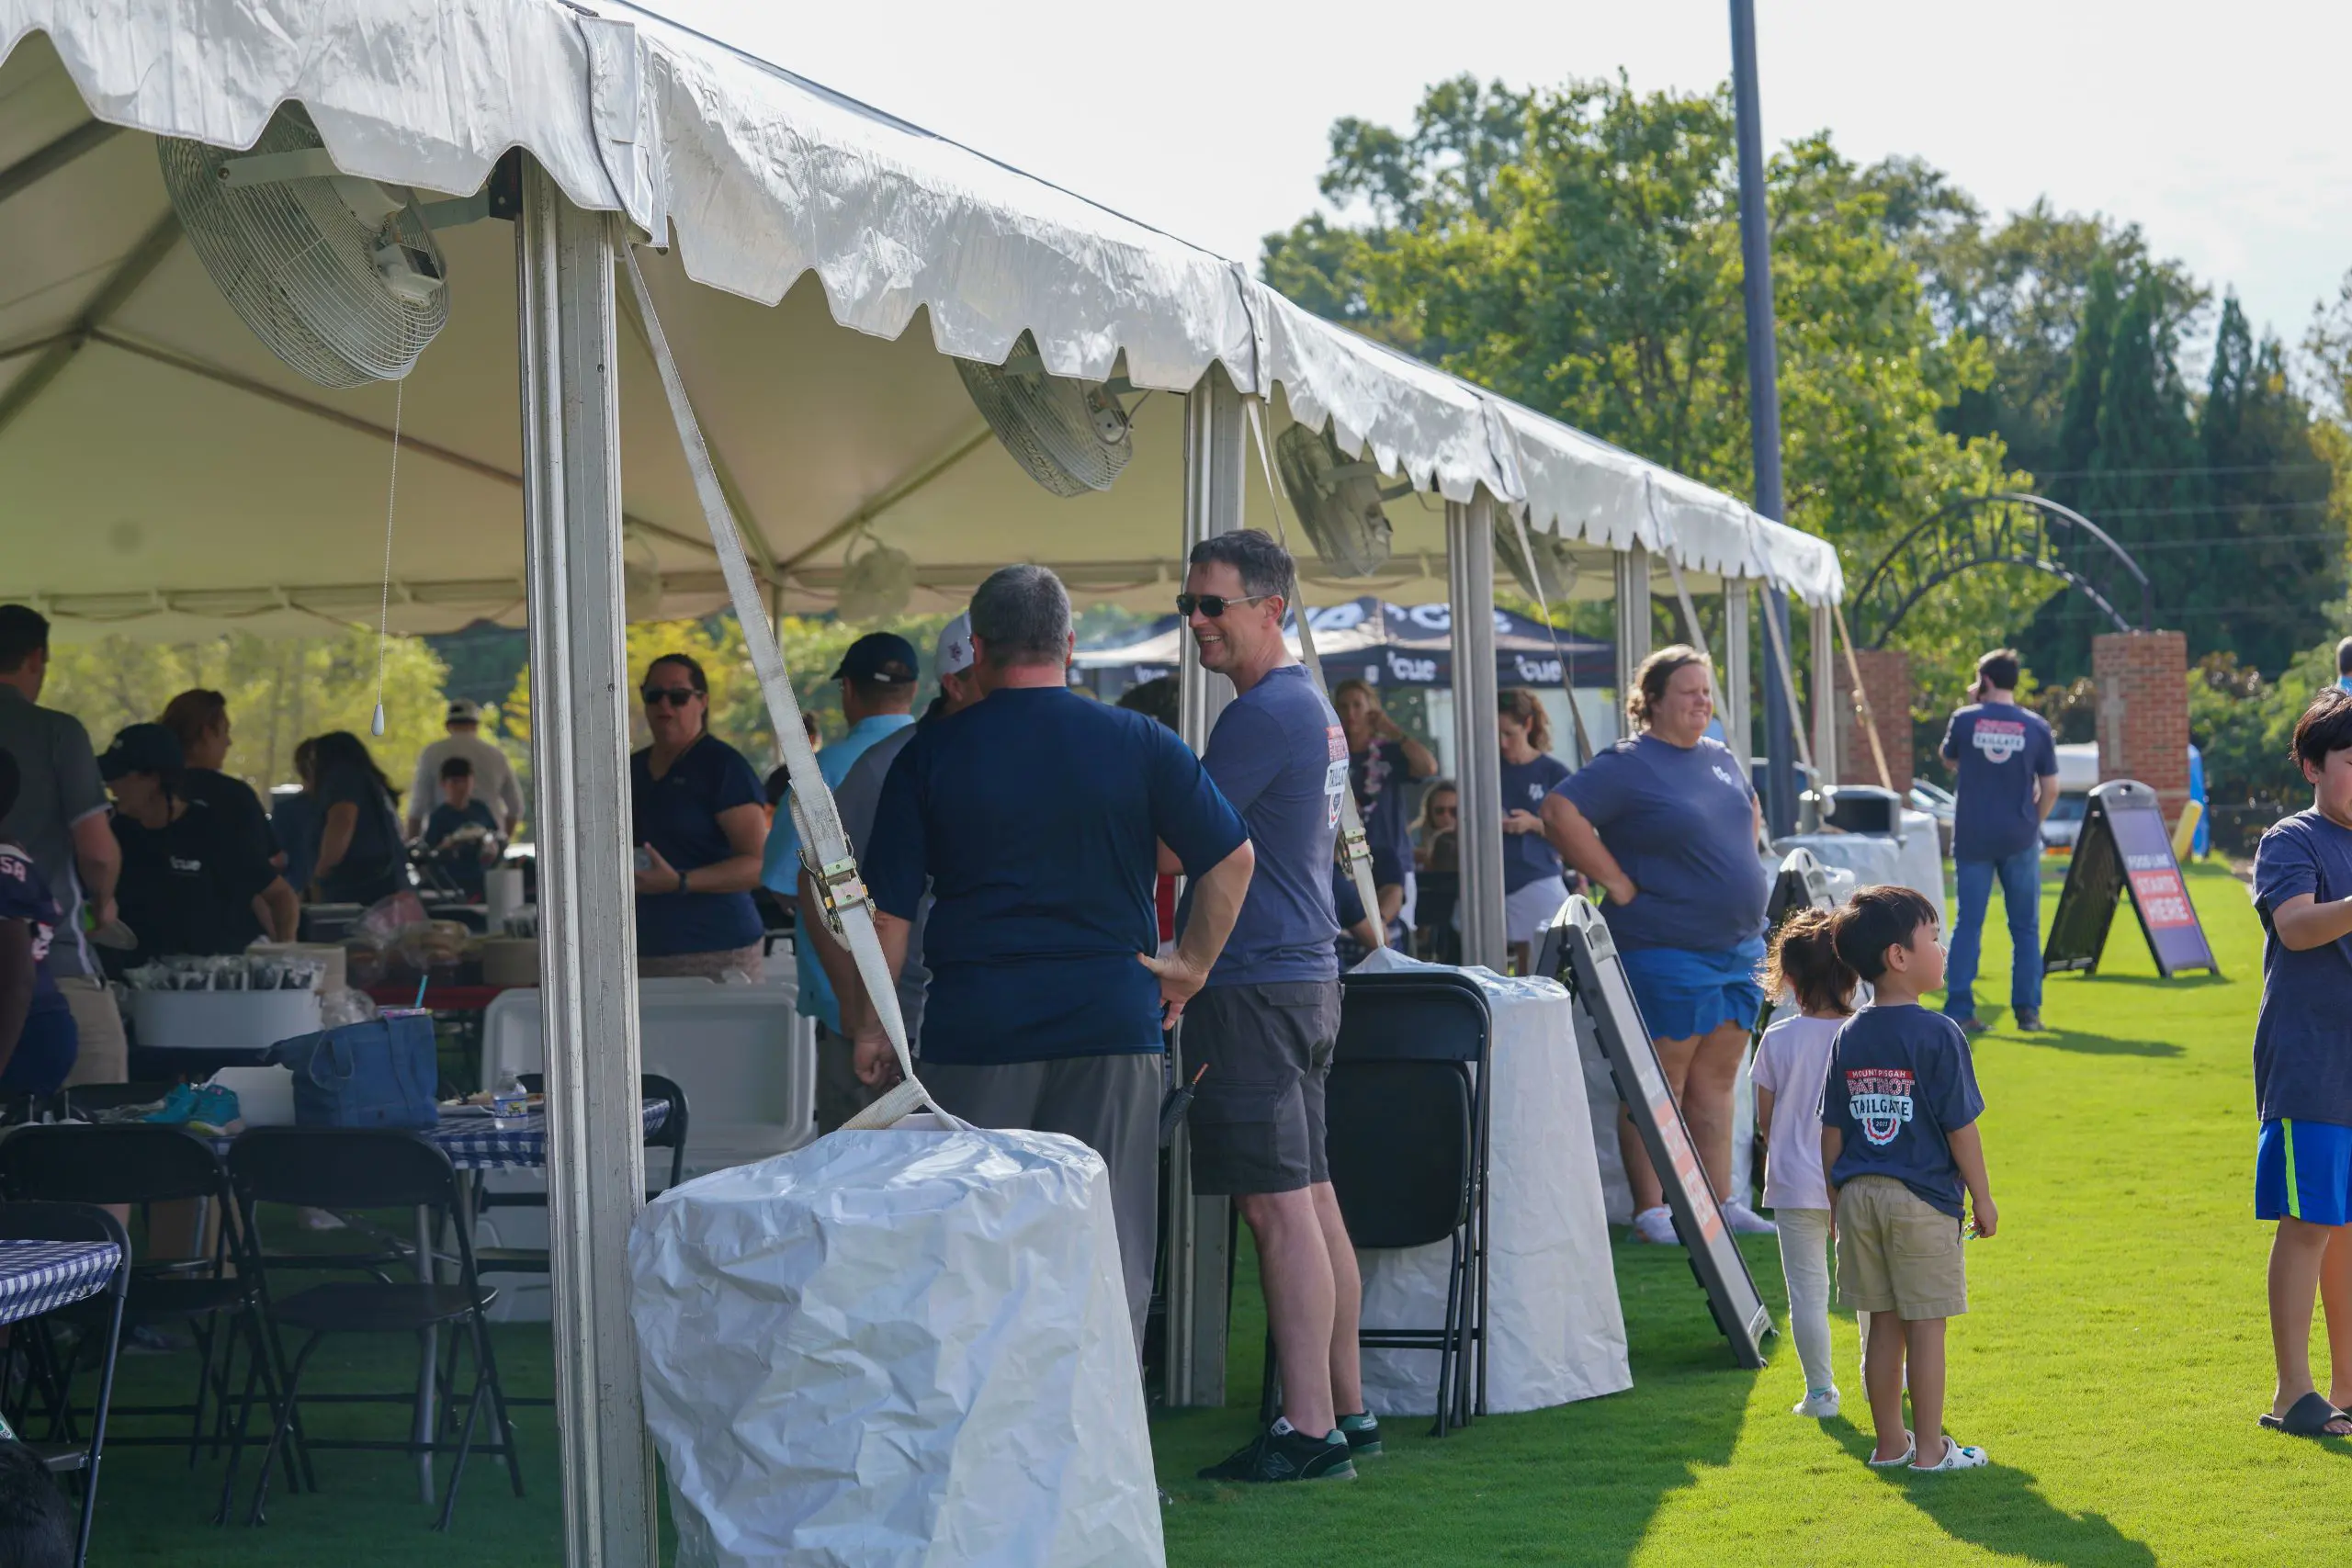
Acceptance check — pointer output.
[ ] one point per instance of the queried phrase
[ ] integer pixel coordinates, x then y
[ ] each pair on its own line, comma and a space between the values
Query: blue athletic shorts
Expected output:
2303, 1169
1683, 993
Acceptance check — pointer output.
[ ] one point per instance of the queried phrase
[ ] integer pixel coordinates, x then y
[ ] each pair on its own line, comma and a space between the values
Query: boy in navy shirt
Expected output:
461, 833
1899, 1141
2302, 1068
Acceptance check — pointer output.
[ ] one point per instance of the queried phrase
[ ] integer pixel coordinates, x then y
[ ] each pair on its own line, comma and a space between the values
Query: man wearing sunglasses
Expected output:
1266, 1023
878, 679
1035, 816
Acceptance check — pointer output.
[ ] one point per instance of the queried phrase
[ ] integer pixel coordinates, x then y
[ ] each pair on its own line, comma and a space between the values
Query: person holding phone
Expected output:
2004, 773
699, 822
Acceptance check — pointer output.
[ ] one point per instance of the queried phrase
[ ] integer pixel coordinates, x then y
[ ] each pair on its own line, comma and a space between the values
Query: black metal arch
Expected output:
2002, 529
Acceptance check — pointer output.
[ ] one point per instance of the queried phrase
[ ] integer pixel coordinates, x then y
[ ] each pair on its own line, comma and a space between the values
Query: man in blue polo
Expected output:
1035, 816
878, 677
2004, 764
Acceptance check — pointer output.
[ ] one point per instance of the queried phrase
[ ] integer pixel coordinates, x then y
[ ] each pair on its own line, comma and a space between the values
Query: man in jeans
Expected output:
1266, 1023
2006, 765
61, 817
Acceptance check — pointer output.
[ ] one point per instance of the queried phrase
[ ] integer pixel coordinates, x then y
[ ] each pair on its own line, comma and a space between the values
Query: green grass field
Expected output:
2114, 1364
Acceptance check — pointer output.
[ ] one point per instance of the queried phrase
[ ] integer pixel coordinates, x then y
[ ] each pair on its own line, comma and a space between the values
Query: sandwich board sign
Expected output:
1578, 951
2125, 850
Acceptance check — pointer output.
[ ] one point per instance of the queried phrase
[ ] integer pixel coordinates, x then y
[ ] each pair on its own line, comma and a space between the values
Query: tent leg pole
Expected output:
1477, 749
1825, 706
571, 402
1739, 647
1199, 1260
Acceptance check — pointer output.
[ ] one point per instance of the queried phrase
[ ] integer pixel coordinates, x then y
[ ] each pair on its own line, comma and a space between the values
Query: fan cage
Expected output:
298, 266
1342, 515
1048, 424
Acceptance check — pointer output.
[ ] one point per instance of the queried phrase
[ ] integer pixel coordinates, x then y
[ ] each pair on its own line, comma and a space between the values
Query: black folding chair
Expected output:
339, 1168
221, 1297
62, 1455
1406, 1115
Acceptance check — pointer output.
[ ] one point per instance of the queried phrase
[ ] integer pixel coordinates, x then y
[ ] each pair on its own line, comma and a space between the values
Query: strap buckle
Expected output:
838, 887
1358, 847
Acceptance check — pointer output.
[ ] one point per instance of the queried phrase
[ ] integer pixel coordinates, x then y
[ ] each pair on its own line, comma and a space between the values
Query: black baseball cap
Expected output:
885, 658
141, 749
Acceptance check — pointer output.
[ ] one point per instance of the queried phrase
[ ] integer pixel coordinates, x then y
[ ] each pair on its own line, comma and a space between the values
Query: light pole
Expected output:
1763, 396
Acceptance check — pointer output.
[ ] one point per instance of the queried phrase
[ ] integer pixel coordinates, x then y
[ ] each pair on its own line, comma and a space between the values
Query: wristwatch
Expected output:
682, 882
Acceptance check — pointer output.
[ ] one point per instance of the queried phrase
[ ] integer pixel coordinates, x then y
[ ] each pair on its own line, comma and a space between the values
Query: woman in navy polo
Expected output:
696, 816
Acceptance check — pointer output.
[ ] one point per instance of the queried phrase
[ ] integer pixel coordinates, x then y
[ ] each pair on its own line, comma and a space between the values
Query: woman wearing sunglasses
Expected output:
696, 813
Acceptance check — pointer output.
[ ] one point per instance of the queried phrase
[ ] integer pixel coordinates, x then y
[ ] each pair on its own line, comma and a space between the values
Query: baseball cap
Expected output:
953, 655
885, 658
463, 710
141, 749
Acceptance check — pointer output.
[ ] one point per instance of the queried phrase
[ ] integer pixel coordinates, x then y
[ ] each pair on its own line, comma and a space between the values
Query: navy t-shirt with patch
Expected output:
1901, 1083
1681, 822
678, 815
24, 896
1530, 857
1281, 757
1999, 752
1036, 814
2302, 1035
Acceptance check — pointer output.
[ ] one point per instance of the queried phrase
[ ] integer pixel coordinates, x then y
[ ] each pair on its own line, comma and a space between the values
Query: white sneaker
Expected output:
1745, 1220
1656, 1227
319, 1220
1821, 1404
1955, 1458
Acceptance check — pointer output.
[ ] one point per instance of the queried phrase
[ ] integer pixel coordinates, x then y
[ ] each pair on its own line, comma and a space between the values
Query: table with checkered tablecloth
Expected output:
475, 1143
41, 1276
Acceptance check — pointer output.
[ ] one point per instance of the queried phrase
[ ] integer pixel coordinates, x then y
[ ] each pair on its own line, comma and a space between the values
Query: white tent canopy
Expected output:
164, 475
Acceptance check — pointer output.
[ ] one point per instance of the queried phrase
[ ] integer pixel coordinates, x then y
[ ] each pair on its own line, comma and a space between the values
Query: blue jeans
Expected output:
2020, 879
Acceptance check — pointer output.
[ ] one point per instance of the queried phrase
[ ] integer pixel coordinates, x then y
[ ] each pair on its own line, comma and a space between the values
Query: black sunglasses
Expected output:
1213, 606
676, 697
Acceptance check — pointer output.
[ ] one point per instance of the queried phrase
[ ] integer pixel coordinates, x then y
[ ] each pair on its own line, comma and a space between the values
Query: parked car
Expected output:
2077, 776
1938, 803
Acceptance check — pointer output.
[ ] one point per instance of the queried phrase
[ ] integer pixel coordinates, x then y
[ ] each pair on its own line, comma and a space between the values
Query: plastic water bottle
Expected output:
510, 1099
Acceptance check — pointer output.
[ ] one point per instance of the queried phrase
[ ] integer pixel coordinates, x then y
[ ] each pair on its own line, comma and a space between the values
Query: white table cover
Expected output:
1555, 1331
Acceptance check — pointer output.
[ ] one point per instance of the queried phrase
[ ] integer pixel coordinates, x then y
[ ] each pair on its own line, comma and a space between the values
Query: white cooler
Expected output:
222, 1021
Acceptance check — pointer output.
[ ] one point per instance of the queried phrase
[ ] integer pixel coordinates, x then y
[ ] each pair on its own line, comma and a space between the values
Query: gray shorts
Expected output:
1257, 1121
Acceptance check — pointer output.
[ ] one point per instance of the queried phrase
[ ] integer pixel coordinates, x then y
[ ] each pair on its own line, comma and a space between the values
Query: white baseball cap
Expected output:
954, 654
464, 710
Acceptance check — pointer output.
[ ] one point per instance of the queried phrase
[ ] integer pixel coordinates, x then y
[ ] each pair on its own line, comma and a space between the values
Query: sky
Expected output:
2218, 130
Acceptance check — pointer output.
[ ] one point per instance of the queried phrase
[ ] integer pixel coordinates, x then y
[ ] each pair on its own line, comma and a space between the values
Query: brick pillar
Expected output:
2144, 711
1886, 681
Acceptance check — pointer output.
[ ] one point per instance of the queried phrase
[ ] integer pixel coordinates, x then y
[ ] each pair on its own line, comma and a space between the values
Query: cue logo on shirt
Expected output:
1724, 775
1335, 777
1880, 1099
1998, 738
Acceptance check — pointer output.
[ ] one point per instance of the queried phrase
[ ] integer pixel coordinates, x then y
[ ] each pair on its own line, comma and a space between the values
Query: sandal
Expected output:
1910, 1447
2308, 1417
1956, 1457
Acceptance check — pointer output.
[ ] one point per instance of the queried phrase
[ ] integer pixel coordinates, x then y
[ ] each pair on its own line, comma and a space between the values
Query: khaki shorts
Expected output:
1898, 1253
103, 1054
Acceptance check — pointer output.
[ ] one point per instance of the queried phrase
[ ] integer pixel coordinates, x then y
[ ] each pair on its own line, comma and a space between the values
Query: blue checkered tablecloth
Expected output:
473, 1143
41, 1276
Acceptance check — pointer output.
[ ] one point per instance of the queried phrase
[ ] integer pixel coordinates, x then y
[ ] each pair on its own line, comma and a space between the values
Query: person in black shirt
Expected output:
462, 832
190, 883
360, 855
200, 719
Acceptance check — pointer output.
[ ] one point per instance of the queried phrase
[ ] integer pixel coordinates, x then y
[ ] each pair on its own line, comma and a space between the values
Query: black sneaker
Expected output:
2029, 1023
1363, 1432
1286, 1455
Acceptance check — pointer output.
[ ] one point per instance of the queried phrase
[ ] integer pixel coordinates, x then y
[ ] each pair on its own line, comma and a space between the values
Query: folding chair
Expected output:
334, 1168
1406, 1113
219, 1296
78, 1221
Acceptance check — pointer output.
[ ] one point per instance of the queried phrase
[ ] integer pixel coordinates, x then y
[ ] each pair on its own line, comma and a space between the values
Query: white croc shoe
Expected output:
1821, 1404
1745, 1220
1656, 1227
1910, 1451
1956, 1457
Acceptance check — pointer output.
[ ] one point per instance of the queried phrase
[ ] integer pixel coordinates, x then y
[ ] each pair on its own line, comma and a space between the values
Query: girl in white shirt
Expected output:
1792, 1065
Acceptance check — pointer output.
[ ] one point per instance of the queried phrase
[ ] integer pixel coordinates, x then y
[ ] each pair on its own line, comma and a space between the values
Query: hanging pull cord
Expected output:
1351, 835
391, 508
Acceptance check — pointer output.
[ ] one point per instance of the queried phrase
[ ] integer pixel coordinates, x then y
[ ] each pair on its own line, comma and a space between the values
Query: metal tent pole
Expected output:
1477, 749
1633, 606
1737, 652
1824, 683
1763, 392
1199, 1260
572, 493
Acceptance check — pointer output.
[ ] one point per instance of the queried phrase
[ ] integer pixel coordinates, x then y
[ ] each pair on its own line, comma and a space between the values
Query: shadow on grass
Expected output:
2000, 1509
2094, 1045
2197, 982
1578, 1484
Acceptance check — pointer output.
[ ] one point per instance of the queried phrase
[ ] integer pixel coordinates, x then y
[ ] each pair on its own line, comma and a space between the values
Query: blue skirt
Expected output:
1683, 993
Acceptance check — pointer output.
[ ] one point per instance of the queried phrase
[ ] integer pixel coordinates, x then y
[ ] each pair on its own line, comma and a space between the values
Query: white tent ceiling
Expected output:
161, 473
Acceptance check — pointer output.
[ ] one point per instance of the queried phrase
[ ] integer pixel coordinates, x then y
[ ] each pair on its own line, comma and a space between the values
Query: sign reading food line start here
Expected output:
2125, 852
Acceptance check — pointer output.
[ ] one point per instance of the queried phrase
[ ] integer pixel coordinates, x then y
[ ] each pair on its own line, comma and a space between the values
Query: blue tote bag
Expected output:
380, 1073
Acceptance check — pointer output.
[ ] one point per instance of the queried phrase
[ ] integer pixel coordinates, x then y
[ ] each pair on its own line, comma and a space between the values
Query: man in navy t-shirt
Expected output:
2004, 764
1265, 1026
1035, 816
